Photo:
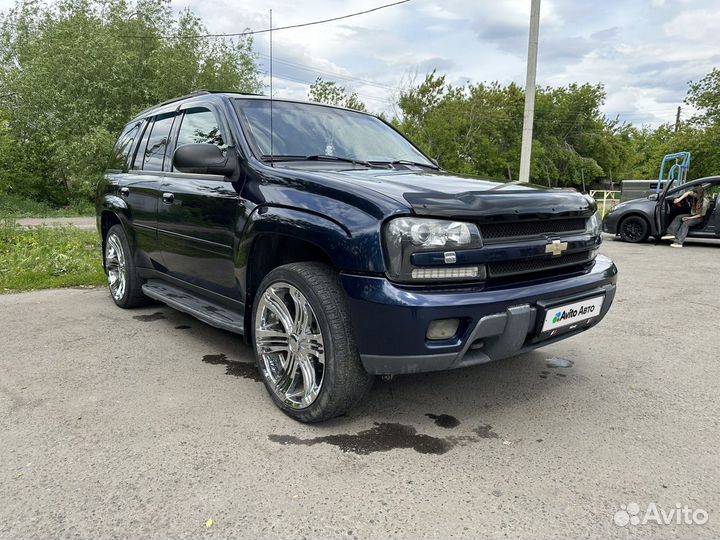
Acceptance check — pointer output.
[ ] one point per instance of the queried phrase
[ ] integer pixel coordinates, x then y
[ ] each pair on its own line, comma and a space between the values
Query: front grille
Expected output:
498, 232
513, 268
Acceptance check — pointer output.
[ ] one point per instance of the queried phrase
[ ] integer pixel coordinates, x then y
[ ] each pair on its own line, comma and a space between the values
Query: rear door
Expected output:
142, 187
197, 212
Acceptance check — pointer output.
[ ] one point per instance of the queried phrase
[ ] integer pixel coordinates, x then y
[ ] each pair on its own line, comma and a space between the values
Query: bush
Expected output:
48, 257
17, 206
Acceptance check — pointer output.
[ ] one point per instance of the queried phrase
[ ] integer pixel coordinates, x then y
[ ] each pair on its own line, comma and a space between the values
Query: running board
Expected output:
206, 310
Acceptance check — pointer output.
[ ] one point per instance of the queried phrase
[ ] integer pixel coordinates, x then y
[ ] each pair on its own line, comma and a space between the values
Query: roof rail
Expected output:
193, 94
173, 100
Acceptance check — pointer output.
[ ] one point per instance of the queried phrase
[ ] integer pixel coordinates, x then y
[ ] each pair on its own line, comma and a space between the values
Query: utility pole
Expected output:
677, 120
529, 115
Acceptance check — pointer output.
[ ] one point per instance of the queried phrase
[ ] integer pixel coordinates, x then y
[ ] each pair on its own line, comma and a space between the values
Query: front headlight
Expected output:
594, 225
439, 239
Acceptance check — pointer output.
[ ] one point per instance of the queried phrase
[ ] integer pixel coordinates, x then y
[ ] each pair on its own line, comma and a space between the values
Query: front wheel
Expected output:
634, 229
304, 345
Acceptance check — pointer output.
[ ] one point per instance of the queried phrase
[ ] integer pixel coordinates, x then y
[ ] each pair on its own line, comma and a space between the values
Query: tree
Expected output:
705, 96
74, 73
332, 93
477, 128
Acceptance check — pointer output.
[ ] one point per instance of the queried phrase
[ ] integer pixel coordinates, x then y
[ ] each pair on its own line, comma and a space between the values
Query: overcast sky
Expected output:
643, 51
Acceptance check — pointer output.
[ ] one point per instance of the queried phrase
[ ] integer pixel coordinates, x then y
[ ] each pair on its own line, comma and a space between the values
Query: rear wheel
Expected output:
304, 345
634, 229
123, 282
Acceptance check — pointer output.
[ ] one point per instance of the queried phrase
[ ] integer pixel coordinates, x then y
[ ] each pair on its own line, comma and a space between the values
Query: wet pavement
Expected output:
125, 424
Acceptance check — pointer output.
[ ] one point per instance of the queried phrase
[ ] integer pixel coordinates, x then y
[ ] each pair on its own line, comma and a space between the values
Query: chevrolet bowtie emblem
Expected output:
556, 247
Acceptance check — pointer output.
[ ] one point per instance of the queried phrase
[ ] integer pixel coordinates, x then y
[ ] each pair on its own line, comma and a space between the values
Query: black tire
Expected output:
634, 229
344, 381
131, 296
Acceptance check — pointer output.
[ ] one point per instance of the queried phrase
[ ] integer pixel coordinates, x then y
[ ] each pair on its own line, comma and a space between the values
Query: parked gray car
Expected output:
636, 220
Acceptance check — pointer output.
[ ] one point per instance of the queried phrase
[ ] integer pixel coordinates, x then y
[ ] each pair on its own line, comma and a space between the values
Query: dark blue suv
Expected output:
337, 248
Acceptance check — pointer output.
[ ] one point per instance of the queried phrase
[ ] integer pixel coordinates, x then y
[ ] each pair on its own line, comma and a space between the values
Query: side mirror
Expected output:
653, 196
204, 159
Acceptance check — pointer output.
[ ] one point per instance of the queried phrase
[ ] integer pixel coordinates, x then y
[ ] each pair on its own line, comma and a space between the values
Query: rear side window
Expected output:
140, 154
123, 147
156, 146
199, 126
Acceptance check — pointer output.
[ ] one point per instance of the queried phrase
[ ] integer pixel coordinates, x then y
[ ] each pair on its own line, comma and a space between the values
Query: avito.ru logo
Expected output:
633, 514
572, 313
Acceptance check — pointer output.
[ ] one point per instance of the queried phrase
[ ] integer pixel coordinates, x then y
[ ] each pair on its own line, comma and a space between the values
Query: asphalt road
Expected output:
147, 424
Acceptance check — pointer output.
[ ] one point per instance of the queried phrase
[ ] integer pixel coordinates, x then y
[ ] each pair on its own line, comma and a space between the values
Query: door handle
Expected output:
168, 198
125, 192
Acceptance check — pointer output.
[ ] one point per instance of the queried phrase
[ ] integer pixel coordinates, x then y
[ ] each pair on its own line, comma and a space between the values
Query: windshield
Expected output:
302, 130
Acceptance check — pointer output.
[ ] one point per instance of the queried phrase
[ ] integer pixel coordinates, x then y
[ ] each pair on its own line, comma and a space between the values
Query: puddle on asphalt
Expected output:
183, 327
237, 369
557, 362
381, 438
485, 431
389, 436
444, 420
152, 317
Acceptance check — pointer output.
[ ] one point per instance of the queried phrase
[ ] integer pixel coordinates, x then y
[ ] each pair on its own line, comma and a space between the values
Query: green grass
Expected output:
48, 257
14, 206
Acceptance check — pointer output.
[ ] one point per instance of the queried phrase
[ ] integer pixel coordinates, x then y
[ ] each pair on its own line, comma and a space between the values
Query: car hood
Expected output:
450, 195
635, 203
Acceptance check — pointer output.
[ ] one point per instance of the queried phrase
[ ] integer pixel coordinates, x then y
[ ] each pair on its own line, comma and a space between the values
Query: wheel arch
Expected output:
108, 219
277, 236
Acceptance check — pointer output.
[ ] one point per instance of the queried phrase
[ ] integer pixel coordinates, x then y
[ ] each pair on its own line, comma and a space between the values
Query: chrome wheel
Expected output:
290, 345
115, 266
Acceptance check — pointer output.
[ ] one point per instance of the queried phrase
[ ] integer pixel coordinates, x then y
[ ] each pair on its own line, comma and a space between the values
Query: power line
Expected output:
299, 81
342, 76
301, 25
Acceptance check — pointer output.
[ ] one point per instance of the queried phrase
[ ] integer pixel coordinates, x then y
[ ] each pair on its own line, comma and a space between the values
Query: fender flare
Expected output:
327, 235
112, 204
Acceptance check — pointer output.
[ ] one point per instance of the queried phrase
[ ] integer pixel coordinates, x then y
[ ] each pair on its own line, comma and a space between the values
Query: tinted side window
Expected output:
157, 143
140, 154
123, 147
199, 125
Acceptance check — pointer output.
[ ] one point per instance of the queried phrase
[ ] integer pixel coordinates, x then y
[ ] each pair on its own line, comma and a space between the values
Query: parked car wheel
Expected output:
634, 229
124, 284
304, 345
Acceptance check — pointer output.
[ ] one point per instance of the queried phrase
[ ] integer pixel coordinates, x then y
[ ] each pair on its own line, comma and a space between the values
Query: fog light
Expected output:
442, 329
446, 273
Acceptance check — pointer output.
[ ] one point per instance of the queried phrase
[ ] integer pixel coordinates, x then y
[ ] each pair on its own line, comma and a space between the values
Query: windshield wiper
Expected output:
322, 157
325, 157
408, 162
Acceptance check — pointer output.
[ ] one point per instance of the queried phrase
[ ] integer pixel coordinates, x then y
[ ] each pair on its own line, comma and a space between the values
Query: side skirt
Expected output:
206, 310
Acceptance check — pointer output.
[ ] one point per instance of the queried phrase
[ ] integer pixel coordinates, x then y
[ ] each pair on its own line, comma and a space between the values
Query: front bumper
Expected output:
610, 223
390, 322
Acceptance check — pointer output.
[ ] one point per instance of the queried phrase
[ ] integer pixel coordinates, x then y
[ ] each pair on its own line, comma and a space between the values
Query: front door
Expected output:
662, 208
197, 212
713, 224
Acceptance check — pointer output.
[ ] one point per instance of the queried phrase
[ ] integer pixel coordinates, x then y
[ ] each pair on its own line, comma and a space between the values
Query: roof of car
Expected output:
234, 95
